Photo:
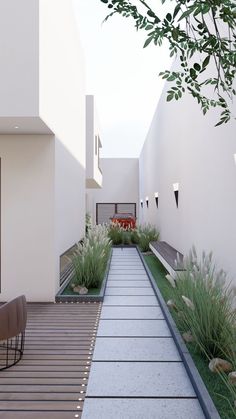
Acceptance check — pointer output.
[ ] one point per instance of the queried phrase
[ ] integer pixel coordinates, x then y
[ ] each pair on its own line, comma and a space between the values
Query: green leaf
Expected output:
220, 123
176, 11
192, 73
197, 67
151, 13
171, 77
185, 14
206, 61
147, 42
169, 97
149, 27
175, 34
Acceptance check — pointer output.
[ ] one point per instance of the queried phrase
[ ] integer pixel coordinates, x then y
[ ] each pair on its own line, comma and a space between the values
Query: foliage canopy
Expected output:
202, 34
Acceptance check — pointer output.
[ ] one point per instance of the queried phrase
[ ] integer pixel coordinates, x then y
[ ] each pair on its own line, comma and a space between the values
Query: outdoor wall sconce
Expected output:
156, 198
141, 203
176, 192
147, 201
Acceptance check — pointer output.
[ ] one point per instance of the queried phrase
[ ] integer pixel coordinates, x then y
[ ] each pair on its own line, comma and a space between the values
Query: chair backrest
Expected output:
13, 317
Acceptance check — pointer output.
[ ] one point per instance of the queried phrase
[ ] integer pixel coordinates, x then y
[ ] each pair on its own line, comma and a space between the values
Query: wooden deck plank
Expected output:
37, 396
60, 405
39, 415
41, 388
53, 373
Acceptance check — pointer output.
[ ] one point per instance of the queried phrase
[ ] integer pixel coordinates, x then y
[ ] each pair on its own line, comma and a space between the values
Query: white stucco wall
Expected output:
183, 146
120, 184
19, 58
62, 108
27, 213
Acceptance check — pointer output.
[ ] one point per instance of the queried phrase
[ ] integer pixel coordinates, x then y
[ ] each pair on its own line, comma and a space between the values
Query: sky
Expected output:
122, 75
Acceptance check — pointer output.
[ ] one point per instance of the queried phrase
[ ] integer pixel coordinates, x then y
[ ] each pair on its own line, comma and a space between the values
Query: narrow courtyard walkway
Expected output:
136, 371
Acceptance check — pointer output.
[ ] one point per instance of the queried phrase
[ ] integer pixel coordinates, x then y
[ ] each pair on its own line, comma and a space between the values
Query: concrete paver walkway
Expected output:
136, 371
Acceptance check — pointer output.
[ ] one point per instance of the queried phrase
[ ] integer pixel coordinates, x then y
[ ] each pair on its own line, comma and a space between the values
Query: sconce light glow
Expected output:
176, 186
176, 192
146, 198
156, 198
235, 158
16, 127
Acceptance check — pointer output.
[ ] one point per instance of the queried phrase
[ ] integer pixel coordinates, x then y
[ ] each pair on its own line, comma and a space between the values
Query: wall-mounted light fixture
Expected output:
156, 196
147, 199
176, 192
141, 203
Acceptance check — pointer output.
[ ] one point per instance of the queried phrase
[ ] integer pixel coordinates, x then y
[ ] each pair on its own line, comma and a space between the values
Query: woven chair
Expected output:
13, 317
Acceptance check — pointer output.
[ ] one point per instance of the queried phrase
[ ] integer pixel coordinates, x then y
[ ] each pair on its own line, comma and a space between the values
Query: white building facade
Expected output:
42, 144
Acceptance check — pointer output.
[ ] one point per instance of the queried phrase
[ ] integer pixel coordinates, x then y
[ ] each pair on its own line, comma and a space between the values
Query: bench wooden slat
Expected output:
168, 253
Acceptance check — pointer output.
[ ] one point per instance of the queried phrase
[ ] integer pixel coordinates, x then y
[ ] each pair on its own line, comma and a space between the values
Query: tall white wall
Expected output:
19, 57
27, 217
62, 108
183, 146
120, 184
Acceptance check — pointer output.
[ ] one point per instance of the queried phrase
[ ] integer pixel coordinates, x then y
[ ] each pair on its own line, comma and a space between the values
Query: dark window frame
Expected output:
116, 207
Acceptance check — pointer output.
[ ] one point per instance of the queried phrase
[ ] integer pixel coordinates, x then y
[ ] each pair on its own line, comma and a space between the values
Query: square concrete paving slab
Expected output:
129, 277
125, 266
133, 328
139, 379
142, 409
124, 252
129, 291
131, 283
147, 300
135, 349
142, 313
126, 271
126, 258
123, 261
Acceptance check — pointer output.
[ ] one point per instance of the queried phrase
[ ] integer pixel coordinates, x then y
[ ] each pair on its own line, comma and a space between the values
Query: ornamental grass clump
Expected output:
90, 258
115, 233
205, 306
146, 234
134, 237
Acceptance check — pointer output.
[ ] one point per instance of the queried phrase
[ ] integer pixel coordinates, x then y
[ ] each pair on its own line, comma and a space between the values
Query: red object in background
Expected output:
126, 220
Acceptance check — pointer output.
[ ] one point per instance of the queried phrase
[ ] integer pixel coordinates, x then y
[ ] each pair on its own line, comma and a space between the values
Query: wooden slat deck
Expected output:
51, 379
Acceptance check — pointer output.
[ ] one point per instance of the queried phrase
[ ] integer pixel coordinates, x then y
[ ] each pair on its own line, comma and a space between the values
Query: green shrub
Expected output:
115, 233
204, 303
134, 237
126, 237
90, 258
146, 234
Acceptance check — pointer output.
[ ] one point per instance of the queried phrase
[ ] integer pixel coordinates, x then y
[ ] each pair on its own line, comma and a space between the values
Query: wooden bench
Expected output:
167, 256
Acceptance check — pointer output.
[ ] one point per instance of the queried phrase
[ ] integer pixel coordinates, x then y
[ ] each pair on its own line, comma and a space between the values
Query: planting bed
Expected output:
214, 384
66, 294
